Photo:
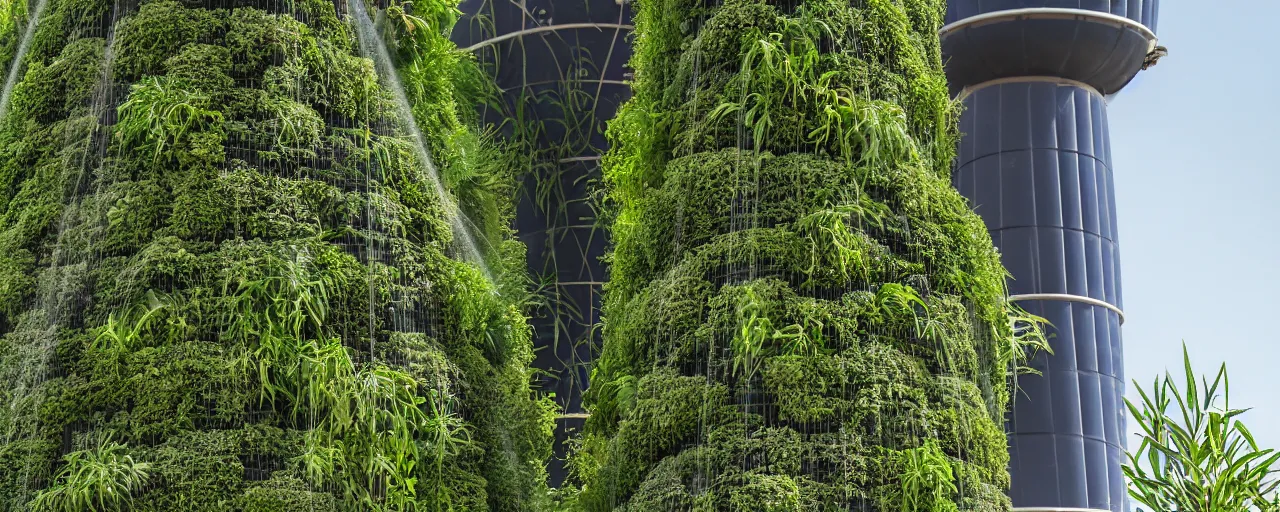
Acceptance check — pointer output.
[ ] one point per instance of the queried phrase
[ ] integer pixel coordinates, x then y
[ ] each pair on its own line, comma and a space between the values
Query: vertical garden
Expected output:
230, 276
257, 255
802, 314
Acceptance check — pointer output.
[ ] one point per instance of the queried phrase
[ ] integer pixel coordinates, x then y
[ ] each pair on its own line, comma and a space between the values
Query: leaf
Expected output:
1202, 459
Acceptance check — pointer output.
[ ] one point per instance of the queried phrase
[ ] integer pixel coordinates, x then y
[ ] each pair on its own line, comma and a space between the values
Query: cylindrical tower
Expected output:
560, 73
1035, 162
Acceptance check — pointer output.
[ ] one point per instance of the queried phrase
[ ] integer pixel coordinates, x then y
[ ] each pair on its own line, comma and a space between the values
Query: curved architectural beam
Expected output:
1067, 297
560, 72
547, 28
964, 93
1047, 13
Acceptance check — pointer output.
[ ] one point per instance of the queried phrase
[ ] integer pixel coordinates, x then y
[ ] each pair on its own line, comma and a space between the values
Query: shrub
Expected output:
245, 277
159, 113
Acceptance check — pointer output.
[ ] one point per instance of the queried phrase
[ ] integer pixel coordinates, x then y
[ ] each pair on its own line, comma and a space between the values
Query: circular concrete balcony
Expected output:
1101, 50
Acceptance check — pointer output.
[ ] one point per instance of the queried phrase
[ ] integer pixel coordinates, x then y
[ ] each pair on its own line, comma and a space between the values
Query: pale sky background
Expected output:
1194, 144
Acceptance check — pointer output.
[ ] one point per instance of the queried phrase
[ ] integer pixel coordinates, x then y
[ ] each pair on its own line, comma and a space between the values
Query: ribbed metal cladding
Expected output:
1035, 162
560, 69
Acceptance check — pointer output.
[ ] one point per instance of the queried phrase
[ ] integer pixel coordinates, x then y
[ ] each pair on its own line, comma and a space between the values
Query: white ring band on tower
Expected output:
1067, 297
964, 93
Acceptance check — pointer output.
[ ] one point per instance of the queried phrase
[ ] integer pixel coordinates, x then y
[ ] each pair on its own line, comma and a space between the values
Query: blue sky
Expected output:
1194, 141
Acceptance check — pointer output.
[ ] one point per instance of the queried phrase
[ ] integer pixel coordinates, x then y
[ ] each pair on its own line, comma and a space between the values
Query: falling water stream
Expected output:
372, 47
23, 46
61, 283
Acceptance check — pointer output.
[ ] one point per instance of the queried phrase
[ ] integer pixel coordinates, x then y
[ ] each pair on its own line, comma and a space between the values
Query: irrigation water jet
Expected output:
23, 46
373, 47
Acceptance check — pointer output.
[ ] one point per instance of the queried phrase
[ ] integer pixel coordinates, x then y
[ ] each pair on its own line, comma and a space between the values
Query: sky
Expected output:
1194, 143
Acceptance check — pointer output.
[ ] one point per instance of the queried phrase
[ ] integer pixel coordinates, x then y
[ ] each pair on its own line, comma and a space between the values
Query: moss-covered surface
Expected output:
218, 250
802, 314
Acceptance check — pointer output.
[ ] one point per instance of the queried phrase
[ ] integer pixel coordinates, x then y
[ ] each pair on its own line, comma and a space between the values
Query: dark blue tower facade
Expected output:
1035, 161
560, 71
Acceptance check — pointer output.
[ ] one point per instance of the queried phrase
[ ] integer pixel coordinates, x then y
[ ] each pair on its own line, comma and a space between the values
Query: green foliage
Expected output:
246, 277
1199, 457
285, 494
369, 441
900, 301
160, 111
1028, 339
295, 124
101, 478
446, 434
786, 237
758, 338
158, 31
63, 86
124, 334
11, 12
278, 316
205, 68
783, 71
834, 243
767, 493
927, 483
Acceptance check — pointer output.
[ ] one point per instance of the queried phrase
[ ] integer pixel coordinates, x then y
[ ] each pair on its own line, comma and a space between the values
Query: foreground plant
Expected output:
1199, 457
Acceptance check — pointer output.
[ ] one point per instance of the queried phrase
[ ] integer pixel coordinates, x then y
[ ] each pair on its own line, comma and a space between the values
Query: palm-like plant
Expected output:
102, 478
1201, 458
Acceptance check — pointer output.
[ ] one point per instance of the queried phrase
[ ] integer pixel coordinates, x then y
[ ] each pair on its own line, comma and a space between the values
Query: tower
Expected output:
1035, 162
257, 190
801, 308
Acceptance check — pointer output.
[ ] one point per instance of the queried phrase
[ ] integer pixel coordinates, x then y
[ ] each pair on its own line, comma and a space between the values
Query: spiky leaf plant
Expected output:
1196, 453
103, 478
160, 111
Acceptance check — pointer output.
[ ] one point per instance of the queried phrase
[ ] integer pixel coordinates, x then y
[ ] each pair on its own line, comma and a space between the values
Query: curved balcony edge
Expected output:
1102, 50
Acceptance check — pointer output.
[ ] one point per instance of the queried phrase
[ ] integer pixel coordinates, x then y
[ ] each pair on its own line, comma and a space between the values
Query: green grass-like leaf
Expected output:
160, 111
102, 478
1199, 458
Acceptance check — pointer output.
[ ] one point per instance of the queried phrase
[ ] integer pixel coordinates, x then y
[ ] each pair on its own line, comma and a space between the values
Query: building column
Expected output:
1035, 162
